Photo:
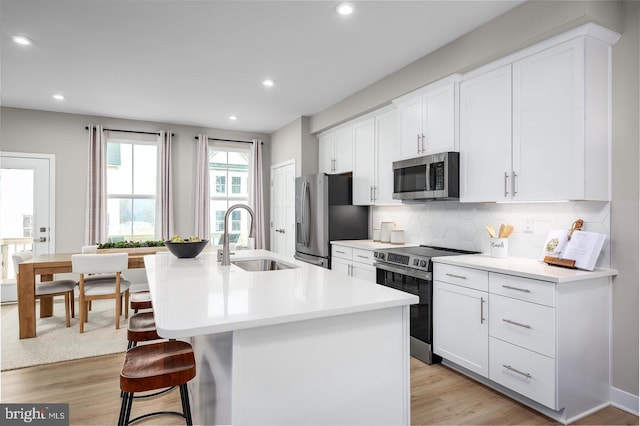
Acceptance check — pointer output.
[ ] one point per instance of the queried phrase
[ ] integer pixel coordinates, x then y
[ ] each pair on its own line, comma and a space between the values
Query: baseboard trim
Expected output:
624, 400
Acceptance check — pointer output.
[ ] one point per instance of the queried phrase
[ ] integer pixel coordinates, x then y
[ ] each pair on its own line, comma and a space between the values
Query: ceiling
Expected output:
198, 62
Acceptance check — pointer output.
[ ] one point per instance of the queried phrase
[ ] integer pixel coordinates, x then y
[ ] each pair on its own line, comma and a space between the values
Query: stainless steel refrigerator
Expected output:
325, 213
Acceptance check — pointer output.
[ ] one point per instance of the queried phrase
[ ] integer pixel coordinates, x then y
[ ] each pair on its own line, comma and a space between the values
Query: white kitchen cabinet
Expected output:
548, 339
535, 126
428, 119
485, 136
353, 262
335, 150
374, 152
461, 312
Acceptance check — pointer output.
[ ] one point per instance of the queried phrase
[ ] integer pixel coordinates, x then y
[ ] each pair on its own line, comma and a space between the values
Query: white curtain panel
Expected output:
164, 190
202, 188
96, 220
257, 199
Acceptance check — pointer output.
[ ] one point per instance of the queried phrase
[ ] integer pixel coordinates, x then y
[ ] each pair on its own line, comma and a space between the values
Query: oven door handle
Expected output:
415, 273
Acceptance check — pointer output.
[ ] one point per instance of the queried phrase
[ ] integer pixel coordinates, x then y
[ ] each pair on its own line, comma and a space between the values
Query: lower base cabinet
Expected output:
353, 262
544, 343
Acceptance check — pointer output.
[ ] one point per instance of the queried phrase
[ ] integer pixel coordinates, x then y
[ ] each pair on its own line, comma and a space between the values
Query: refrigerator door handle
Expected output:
306, 223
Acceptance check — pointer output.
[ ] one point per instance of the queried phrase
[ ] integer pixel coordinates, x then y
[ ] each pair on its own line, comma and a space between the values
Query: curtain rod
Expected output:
130, 131
228, 140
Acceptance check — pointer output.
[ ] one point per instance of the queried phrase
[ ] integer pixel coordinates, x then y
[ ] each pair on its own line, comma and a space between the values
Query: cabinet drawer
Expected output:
542, 292
528, 373
363, 256
342, 252
525, 324
466, 277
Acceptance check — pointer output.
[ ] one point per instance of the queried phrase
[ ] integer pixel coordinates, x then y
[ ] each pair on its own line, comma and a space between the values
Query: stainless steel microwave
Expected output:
430, 177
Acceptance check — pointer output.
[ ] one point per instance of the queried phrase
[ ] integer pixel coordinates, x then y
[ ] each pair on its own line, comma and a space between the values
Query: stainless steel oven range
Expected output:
410, 269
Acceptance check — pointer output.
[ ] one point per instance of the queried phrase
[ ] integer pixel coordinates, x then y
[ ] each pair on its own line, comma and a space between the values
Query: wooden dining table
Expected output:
46, 266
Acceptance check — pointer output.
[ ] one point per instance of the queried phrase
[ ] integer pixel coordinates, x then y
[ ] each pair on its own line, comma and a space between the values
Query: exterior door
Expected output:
283, 208
26, 206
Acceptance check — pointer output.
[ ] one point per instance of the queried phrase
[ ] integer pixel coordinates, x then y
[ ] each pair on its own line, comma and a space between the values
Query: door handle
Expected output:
40, 240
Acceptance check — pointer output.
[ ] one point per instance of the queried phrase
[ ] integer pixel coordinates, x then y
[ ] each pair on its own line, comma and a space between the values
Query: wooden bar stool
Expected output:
140, 300
156, 366
141, 328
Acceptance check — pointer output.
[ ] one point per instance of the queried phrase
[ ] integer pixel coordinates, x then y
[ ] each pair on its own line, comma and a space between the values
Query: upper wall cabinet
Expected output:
536, 126
335, 150
374, 152
428, 119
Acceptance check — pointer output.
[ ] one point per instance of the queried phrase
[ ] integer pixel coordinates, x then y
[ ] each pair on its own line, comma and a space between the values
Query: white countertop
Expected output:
367, 244
199, 296
528, 268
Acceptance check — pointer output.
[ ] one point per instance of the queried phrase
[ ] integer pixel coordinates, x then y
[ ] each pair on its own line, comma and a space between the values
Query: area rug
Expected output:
54, 342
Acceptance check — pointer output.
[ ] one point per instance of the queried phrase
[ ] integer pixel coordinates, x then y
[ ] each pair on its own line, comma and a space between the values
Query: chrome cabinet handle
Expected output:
371, 193
516, 323
513, 183
482, 310
423, 148
418, 144
374, 193
526, 290
508, 367
456, 276
506, 178
361, 256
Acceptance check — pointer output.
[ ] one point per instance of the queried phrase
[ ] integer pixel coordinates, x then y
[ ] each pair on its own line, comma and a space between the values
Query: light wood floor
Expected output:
438, 396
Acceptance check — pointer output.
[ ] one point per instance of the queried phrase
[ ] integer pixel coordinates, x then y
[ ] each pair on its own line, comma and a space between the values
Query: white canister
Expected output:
385, 231
499, 247
397, 236
376, 234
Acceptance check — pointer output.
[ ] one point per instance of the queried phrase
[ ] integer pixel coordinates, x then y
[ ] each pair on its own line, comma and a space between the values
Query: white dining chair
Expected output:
49, 288
104, 288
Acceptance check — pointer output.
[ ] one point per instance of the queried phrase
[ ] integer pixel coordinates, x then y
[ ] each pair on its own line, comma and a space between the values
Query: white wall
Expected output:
462, 225
64, 135
294, 141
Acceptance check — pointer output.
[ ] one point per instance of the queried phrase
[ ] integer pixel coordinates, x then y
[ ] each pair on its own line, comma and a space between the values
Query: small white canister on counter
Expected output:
385, 231
397, 236
376, 234
499, 247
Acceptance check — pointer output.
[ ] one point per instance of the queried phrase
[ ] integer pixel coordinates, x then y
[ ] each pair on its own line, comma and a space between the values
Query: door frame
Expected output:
291, 162
52, 188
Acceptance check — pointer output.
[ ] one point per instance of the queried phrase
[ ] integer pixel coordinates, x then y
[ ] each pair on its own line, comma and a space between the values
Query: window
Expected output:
229, 165
221, 187
236, 184
131, 190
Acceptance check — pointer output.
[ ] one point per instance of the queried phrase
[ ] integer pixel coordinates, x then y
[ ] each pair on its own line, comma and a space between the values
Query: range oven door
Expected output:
414, 282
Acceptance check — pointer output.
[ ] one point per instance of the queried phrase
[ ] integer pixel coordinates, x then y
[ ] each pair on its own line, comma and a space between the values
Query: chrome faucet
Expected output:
226, 261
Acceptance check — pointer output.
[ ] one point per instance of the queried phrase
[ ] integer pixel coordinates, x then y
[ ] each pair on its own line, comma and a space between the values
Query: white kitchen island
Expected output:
295, 346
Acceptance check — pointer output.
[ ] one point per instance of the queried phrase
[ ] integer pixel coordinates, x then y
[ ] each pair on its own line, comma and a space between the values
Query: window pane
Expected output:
229, 177
131, 191
119, 177
144, 169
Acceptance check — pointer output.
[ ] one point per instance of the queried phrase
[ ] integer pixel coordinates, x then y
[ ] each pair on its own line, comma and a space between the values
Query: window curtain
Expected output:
256, 197
96, 219
164, 189
202, 209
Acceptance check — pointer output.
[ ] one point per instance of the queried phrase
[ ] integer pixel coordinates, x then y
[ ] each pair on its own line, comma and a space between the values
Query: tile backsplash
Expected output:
462, 225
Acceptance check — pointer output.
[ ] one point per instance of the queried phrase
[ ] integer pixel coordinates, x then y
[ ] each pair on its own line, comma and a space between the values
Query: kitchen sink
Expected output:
263, 264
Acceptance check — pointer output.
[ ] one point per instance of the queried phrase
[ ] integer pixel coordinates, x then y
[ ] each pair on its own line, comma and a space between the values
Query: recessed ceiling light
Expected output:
58, 97
233, 117
345, 9
22, 40
268, 83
